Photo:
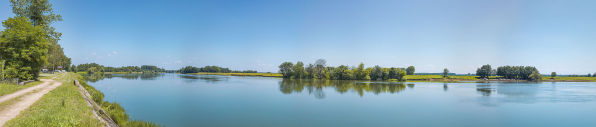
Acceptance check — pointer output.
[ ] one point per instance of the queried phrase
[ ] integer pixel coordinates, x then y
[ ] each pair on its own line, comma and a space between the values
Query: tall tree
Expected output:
40, 13
445, 72
24, 48
589, 75
484, 71
376, 73
553, 74
410, 70
320, 65
286, 69
298, 70
535, 76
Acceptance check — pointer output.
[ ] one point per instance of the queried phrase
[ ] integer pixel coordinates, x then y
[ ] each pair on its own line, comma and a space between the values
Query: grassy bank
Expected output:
10, 88
63, 106
590, 79
113, 109
241, 74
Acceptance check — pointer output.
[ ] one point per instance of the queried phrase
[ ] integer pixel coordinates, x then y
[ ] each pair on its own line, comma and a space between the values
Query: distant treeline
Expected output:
509, 72
101, 68
319, 70
211, 69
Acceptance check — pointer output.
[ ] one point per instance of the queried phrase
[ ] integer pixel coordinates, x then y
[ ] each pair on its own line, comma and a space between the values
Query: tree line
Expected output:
211, 69
509, 72
94, 67
29, 42
319, 70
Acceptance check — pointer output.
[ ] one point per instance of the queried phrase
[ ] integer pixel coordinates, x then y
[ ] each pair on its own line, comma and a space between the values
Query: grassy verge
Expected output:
63, 106
113, 109
7, 89
241, 74
592, 79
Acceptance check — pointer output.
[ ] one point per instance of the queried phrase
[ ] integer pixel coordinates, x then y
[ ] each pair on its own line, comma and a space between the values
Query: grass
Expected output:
113, 109
241, 74
592, 79
8, 88
63, 106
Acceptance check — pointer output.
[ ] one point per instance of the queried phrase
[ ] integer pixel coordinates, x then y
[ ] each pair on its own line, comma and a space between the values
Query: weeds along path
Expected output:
29, 96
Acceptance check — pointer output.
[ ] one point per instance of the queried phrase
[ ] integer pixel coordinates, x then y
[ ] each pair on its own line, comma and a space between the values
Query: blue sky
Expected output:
258, 35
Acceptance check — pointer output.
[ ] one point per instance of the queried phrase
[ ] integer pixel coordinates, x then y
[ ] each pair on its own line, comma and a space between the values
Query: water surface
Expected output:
207, 100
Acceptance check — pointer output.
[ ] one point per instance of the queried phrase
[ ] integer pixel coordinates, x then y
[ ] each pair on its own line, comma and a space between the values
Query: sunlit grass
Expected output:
63, 106
593, 79
10, 88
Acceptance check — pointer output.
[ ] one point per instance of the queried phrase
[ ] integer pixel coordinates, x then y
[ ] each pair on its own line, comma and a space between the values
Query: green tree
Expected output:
286, 69
445, 72
40, 13
320, 64
24, 48
553, 74
400, 75
1, 69
535, 76
360, 72
74, 68
91, 70
410, 70
484, 71
298, 70
589, 75
376, 73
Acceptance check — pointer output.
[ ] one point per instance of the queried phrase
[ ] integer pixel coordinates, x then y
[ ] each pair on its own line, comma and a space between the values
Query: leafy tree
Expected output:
40, 13
24, 48
445, 72
360, 72
320, 64
286, 69
91, 70
553, 74
1, 69
484, 71
590, 75
74, 68
298, 70
535, 76
376, 73
410, 70
400, 75
594, 75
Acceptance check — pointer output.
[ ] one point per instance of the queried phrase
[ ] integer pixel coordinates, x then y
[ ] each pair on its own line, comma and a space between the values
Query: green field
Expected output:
592, 79
63, 106
241, 74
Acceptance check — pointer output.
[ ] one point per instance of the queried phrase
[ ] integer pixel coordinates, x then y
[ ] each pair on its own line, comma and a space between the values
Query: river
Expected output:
209, 100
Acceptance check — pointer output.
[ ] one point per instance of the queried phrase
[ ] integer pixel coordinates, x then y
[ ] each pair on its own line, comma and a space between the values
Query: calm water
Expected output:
195, 100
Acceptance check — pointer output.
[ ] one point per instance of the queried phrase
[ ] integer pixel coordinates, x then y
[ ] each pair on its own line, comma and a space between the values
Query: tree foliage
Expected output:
24, 48
445, 72
535, 75
484, 71
410, 70
512, 72
553, 74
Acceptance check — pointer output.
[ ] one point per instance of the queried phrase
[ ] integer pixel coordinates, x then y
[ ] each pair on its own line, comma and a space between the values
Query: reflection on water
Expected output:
96, 77
289, 86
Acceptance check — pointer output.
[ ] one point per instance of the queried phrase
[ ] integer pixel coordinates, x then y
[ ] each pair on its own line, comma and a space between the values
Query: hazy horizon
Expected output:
260, 35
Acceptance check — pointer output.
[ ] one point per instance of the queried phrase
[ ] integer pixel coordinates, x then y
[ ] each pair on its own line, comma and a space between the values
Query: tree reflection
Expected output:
484, 89
289, 86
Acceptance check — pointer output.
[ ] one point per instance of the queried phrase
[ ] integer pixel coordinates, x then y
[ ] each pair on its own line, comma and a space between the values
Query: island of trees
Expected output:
320, 70
211, 69
94, 67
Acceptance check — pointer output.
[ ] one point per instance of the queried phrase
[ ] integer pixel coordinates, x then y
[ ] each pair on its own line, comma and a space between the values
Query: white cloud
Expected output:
99, 57
270, 65
153, 62
93, 53
189, 61
109, 54
258, 60
168, 55
177, 61
165, 62
393, 57
86, 57
431, 66
115, 52
195, 58
407, 65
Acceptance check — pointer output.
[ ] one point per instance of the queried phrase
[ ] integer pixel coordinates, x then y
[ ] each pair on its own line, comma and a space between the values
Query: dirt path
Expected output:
31, 95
